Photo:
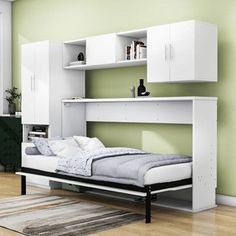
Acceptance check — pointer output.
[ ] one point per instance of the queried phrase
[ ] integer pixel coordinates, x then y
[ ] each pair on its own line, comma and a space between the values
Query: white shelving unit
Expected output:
176, 53
103, 51
199, 112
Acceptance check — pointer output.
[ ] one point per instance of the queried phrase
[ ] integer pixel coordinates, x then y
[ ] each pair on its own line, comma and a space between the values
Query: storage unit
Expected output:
10, 142
103, 51
179, 52
182, 52
44, 84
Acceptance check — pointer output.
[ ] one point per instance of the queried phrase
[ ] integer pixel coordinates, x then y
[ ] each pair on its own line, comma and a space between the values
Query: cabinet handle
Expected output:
170, 51
165, 52
31, 82
34, 82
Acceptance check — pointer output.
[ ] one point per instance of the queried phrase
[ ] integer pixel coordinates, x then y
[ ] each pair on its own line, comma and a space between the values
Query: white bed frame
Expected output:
200, 112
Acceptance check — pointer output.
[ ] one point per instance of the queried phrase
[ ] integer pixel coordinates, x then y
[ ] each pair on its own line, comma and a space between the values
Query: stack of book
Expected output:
137, 50
37, 131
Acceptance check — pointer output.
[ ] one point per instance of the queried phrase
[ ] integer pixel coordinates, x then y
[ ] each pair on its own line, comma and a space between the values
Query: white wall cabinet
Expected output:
182, 52
45, 84
101, 49
179, 52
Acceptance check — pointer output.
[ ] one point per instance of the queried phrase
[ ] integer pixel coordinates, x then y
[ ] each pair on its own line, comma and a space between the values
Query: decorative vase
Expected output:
141, 88
80, 57
12, 108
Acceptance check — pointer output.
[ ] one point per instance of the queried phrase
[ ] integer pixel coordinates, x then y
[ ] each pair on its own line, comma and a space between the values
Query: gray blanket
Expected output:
122, 165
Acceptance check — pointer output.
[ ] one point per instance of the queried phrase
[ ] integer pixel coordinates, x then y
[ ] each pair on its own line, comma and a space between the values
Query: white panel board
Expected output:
141, 112
204, 154
73, 119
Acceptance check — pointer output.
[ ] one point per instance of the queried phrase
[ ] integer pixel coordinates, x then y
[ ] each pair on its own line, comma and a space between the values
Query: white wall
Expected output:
5, 53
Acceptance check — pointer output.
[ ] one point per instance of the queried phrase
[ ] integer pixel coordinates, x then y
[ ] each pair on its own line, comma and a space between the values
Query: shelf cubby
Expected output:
125, 38
71, 51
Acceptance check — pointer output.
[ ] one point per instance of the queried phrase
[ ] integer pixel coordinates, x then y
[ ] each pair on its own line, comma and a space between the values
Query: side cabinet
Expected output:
10, 142
182, 52
45, 83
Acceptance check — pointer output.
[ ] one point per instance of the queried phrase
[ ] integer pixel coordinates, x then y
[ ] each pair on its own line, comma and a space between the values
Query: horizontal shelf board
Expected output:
125, 63
78, 42
140, 33
138, 99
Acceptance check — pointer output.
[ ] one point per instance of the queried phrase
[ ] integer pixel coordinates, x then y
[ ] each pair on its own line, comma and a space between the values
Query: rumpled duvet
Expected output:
124, 165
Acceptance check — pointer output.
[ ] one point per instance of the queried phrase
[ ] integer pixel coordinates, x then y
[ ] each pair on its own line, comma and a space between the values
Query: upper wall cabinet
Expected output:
182, 52
104, 51
178, 52
101, 49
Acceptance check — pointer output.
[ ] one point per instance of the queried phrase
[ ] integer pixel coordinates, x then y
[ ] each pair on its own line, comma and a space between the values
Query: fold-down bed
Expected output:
156, 179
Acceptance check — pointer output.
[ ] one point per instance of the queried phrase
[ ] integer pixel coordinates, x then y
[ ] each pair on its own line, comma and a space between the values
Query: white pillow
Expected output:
88, 144
69, 151
58, 145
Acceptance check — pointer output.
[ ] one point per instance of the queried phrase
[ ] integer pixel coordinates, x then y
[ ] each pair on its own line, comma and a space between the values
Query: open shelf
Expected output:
173, 203
125, 63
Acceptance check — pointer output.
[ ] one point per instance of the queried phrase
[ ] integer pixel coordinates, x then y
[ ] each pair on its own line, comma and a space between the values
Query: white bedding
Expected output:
155, 175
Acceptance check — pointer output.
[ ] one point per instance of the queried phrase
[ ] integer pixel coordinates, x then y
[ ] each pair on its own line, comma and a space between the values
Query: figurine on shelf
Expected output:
132, 91
141, 89
80, 57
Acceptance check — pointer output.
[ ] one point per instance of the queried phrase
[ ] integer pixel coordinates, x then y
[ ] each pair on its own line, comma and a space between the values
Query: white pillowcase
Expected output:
69, 151
88, 144
58, 145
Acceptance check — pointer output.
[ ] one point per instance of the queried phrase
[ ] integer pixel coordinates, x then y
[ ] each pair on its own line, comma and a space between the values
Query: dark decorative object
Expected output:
80, 57
141, 88
13, 95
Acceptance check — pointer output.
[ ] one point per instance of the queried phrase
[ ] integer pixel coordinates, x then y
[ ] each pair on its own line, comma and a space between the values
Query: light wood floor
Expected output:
218, 221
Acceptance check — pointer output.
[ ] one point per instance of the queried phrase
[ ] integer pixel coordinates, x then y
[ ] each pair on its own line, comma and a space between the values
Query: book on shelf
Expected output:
137, 50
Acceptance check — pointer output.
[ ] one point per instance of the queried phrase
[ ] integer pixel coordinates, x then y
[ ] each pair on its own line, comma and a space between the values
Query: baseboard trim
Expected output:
226, 200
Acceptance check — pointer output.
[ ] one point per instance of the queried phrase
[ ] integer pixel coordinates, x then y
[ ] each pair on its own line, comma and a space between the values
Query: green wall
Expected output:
35, 20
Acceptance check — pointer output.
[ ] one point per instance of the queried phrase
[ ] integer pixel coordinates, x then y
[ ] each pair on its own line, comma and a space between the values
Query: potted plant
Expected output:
11, 98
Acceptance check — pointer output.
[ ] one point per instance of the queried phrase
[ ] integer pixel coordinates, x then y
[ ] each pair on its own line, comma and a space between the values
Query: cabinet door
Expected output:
41, 83
158, 54
182, 51
101, 49
27, 73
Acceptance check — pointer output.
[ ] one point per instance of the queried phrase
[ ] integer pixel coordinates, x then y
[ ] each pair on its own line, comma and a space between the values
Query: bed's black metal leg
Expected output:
23, 185
148, 204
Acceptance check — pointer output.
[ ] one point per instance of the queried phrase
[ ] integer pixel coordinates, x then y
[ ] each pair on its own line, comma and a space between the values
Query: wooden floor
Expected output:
218, 221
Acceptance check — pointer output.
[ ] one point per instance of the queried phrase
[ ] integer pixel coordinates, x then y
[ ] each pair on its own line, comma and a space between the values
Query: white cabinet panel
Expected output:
158, 54
101, 49
140, 112
186, 50
27, 76
182, 51
41, 82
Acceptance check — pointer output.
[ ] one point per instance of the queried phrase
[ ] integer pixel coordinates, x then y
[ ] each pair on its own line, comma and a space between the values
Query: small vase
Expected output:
141, 88
12, 108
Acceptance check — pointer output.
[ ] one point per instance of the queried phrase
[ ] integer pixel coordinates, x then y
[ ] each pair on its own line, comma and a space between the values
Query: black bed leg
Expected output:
148, 205
23, 185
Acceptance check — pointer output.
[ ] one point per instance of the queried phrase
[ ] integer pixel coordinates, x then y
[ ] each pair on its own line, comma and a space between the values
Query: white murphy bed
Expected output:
187, 49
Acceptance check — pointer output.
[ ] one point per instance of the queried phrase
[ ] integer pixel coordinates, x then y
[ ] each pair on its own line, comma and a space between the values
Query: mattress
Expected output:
163, 174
